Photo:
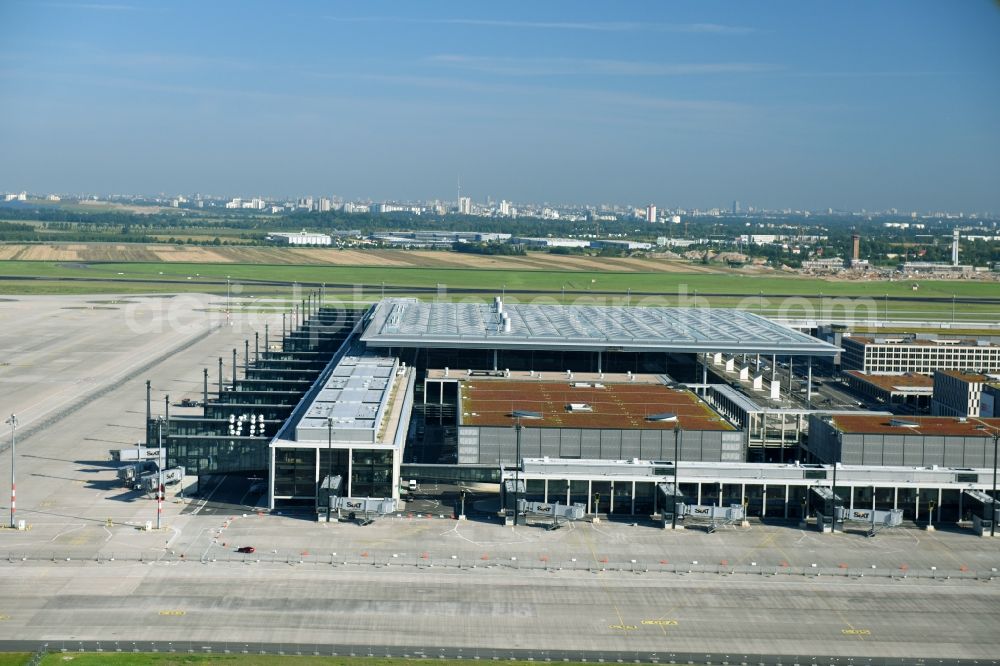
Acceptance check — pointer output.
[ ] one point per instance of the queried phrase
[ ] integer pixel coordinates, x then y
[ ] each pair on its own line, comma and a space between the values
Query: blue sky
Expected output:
801, 104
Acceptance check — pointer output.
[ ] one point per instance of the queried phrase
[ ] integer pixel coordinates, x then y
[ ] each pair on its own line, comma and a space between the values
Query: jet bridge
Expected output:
568, 512
876, 520
830, 510
363, 509
826, 505
981, 506
711, 515
669, 499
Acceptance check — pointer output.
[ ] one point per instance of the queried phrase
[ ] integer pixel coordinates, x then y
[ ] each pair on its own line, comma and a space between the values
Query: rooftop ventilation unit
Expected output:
900, 423
579, 407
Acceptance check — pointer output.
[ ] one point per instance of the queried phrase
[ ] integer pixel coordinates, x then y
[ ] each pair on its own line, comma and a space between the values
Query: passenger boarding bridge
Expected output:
779, 491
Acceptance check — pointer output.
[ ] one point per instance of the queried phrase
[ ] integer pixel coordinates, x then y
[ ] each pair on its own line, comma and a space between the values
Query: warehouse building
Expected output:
300, 238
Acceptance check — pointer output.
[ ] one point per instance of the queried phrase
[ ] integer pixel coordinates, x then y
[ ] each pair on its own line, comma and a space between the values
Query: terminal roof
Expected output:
404, 322
869, 424
567, 404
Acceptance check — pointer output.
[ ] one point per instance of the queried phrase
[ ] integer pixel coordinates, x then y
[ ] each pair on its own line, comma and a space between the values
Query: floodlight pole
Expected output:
12, 422
329, 464
673, 517
518, 415
161, 459
993, 521
833, 502
517, 465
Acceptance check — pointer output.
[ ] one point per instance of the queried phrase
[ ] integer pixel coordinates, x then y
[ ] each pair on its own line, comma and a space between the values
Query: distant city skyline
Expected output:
776, 105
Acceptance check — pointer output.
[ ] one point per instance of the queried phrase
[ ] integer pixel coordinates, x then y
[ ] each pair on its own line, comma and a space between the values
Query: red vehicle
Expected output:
246, 549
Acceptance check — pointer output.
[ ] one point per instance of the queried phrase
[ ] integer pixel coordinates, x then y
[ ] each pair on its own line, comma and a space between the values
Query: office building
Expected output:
900, 354
958, 393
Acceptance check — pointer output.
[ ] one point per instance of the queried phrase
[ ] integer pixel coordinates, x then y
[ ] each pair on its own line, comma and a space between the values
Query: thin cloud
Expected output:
591, 26
90, 6
870, 74
587, 66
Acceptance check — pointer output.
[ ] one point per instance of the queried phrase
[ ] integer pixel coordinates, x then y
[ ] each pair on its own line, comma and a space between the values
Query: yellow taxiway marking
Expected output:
662, 623
173, 613
856, 632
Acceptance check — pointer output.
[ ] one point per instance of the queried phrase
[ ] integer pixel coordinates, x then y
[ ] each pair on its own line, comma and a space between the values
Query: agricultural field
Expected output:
139, 252
86, 268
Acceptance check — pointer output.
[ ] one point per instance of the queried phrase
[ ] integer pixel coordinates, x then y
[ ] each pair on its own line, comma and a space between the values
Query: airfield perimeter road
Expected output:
411, 580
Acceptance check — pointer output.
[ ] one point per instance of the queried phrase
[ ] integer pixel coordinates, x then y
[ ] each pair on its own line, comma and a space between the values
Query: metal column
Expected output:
809, 383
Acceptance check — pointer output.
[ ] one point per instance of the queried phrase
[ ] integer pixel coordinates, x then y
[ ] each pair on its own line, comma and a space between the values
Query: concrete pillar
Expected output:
611, 506
704, 376
938, 507
590, 495
494, 360
774, 368
850, 505
699, 493
545, 497
633, 498
786, 501
916, 504
895, 498
600, 362
763, 502
567, 493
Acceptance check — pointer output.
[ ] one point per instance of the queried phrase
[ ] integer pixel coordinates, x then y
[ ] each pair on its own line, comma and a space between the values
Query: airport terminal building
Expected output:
360, 400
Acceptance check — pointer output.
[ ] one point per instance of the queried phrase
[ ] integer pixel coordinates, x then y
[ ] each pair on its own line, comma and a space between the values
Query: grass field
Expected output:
542, 280
763, 293
14, 658
160, 659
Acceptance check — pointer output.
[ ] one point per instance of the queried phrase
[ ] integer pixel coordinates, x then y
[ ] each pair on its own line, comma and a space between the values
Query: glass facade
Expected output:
295, 473
371, 473
208, 454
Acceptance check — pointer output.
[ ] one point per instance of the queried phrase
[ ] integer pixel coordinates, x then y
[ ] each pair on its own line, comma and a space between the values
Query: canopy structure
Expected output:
403, 322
